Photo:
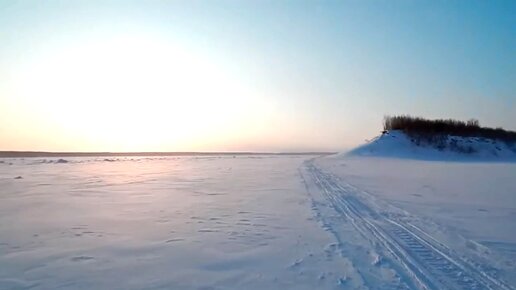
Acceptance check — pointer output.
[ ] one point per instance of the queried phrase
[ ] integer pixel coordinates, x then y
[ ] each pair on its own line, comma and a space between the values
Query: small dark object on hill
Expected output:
18, 177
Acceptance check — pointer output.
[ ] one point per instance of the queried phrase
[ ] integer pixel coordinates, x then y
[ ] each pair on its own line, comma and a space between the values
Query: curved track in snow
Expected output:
426, 262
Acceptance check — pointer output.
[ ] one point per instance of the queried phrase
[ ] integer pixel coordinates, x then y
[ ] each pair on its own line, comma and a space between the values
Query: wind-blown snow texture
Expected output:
256, 222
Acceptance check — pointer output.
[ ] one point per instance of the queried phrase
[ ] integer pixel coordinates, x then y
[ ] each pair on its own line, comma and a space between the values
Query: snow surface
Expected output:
257, 222
470, 207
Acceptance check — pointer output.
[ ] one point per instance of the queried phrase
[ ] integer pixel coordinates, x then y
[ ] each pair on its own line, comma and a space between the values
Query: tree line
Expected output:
421, 127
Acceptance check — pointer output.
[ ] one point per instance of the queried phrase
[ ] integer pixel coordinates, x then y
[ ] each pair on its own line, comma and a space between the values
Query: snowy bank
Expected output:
454, 148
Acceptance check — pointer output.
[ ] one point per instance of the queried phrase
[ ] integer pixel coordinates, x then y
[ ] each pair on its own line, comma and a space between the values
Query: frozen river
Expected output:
230, 222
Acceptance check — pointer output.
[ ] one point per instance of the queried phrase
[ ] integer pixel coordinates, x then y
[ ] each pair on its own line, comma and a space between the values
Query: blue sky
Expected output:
311, 75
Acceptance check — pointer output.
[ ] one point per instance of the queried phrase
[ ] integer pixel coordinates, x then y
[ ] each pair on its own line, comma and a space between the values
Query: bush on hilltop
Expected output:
431, 130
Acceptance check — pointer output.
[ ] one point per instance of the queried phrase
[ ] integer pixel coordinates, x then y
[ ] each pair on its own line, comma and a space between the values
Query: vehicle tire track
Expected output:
428, 263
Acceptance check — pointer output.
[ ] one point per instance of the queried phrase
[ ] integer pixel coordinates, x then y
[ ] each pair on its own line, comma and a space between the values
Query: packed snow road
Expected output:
418, 259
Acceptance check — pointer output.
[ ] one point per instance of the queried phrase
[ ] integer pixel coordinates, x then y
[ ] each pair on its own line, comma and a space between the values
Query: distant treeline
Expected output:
416, 126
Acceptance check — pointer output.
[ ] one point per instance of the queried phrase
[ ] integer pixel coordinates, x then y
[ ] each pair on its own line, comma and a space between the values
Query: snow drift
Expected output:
398, 144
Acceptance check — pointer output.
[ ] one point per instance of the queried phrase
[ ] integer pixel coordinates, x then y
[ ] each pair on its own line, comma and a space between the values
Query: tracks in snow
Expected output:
428, 263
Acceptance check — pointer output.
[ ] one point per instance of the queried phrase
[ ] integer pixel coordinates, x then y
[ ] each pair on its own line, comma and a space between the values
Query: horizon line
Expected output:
23, 154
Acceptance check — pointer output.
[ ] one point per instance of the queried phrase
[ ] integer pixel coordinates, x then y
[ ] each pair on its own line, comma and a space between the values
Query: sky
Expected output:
246, 75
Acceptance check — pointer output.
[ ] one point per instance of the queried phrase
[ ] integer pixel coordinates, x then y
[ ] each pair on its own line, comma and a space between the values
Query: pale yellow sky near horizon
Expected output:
278, 76
139, 93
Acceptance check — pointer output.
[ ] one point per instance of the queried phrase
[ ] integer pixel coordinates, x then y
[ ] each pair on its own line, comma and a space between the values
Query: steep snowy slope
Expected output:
398, 144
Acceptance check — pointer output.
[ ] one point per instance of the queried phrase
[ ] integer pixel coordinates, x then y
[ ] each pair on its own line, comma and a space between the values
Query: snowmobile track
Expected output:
428, 263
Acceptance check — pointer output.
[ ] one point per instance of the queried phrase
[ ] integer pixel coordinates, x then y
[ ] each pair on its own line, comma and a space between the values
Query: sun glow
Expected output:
132, 93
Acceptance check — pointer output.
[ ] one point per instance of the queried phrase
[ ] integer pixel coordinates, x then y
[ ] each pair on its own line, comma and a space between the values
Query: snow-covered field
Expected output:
256, 222
447, 225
